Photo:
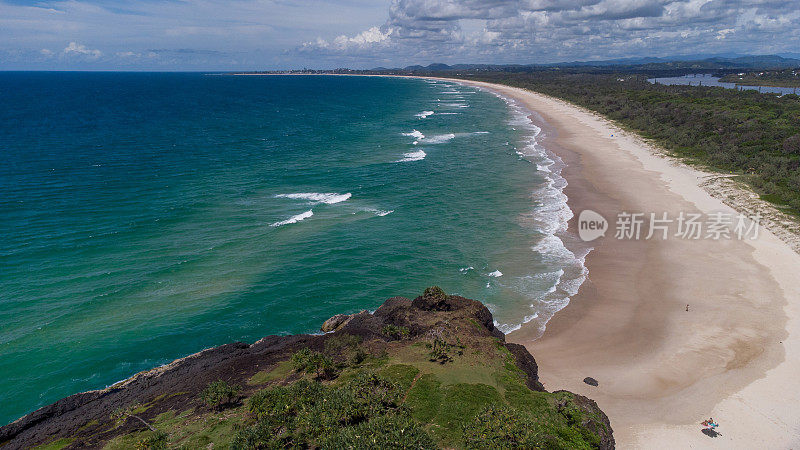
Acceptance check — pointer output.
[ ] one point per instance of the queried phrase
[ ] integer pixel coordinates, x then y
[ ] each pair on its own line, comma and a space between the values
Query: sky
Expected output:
292, 34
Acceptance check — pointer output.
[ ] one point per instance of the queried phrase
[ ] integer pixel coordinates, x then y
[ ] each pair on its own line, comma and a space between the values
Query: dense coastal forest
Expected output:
751, 135
785, 78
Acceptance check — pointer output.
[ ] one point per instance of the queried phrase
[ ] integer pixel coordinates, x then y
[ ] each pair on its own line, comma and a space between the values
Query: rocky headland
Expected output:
431, 372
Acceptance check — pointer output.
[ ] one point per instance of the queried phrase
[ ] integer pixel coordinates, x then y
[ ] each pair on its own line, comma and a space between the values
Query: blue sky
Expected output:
283, 34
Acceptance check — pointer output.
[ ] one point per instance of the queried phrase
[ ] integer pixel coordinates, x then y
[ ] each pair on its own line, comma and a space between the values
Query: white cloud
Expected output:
79, 49
525, 31
244, 34
371, 36
264, 34
724, 32
342, 43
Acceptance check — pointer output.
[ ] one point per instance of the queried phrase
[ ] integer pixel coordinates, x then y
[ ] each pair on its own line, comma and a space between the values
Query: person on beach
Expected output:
687, 307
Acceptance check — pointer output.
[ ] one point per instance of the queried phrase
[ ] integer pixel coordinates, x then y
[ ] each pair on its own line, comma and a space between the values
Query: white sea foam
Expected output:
506, 327
466, 269
294, 219
413, 156
435, 139
424, 114
552, 250
549, 291
415, 134
439, 138
318, 197
496, 274
377, 212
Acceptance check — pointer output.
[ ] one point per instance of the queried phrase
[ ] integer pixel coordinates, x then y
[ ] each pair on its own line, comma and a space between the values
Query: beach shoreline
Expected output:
662, 369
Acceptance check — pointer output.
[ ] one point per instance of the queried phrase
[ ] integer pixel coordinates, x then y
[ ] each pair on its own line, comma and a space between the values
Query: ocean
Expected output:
147, 216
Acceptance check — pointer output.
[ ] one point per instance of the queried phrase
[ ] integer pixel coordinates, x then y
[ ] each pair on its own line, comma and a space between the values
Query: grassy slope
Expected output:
443, 398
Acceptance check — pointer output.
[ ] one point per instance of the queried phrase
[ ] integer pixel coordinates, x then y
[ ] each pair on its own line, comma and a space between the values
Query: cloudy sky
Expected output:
281, 34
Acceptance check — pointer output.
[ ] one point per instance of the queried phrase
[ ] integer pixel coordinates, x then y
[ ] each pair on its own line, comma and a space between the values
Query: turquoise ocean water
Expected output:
144, 217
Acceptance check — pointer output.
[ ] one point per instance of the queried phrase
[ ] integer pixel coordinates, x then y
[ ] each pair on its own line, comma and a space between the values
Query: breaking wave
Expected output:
413, 156
318, 197
294, 219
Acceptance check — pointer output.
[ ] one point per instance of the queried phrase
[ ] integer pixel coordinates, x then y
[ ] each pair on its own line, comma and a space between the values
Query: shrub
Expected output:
219, 394
340, 342
502, 427
276, 401
441, 349
156, 441
257, 437
347, 347
308, 413
434, 293
358, 356
392, 432
791, 145
395, 332
309, 361
373, 394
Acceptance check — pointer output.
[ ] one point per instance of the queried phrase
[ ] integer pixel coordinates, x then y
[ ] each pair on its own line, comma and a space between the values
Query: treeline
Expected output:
755, 136
785, 78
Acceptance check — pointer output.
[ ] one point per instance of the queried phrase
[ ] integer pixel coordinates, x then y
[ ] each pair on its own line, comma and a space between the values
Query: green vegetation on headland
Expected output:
427, 373
780, 78
753, 136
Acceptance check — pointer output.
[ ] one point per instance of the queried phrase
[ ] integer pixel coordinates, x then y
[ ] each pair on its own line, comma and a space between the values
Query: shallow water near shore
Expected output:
145, 217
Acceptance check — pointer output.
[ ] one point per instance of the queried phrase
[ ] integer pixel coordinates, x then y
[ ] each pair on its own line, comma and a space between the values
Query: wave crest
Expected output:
413, 156
328, 198
294, 219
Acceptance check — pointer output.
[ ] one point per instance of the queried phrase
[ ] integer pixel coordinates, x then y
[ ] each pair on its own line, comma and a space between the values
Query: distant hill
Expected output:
643, 64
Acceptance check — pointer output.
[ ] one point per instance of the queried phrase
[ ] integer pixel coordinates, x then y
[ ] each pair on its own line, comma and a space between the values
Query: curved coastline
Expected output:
661, 369
552, 217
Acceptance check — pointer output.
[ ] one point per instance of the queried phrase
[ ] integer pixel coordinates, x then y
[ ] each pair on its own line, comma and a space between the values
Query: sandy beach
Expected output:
734, 355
